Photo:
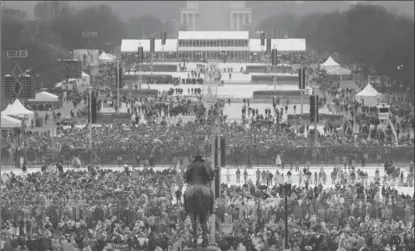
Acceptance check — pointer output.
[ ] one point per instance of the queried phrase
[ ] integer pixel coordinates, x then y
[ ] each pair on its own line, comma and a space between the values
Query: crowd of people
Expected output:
142, 210
364, 119
256, 143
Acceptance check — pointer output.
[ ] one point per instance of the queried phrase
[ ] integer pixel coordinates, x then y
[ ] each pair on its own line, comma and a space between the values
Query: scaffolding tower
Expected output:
210, 100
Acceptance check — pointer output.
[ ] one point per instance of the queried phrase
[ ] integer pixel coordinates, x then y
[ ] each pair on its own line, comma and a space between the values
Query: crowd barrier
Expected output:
286, 79
158, 67
264, 68
234, 156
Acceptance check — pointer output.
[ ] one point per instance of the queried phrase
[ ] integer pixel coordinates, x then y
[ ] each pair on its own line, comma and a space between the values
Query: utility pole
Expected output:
301, 89
152, 52
315, 121
286, 214
210, 97
118, 85
216, 140
1, 129
90, 35
90, 121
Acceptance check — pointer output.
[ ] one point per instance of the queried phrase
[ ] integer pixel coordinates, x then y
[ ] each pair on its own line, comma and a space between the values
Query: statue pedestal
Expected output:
199, 248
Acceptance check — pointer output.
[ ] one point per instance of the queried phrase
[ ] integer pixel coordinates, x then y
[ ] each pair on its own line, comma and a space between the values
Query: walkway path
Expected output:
231, 172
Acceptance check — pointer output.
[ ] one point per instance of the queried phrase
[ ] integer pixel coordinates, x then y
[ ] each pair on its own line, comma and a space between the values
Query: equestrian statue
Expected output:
199, 196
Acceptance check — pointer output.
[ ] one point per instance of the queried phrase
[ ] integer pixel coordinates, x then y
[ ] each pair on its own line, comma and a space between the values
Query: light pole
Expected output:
1, 129
287, 191
210, 97
362, 66
301, 88
90, 122
388, 89
118, 85
24, 121
400, 68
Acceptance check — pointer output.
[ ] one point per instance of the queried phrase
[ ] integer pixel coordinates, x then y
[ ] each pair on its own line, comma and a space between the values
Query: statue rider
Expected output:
202, 173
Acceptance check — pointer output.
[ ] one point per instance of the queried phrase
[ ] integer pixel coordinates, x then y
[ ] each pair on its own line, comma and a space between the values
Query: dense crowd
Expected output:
142, 210
258, 139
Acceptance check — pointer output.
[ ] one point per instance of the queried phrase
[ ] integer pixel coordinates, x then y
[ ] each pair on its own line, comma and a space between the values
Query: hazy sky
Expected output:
260, 9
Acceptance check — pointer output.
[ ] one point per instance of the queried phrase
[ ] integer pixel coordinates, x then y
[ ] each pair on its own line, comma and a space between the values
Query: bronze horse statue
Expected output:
198, 197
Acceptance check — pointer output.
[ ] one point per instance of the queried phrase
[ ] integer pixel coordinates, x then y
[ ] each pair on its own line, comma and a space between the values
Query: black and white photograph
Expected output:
207, 125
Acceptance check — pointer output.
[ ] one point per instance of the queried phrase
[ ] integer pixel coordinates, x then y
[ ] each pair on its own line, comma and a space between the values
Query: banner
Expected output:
120, 246
88, 57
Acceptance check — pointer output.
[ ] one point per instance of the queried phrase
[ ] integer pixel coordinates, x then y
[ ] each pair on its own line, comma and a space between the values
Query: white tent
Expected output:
369, 96
86, 79
330, 64
9, 122
105, 58
112, 56
45, 97
70, 86
17, 109
339, 71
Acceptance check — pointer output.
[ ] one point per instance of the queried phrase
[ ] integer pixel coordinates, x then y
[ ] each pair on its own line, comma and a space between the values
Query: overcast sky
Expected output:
260, 9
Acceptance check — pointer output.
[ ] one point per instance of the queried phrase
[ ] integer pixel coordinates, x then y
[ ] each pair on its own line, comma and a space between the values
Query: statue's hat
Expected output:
199, 154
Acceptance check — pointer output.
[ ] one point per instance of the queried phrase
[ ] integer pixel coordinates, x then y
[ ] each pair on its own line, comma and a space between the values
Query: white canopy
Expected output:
17, 109
329, 64
111, 56
9, 122
45, 97
339, 71
106, 58
69, 86
86, 79
369, 96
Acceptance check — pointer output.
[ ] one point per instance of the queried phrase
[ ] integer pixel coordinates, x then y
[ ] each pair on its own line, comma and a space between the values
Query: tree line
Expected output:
57, 29
377, 41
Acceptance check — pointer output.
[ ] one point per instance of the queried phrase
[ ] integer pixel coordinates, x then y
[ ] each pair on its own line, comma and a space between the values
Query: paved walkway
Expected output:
228, 175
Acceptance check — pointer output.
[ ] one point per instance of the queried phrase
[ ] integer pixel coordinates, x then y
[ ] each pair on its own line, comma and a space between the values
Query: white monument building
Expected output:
215, 15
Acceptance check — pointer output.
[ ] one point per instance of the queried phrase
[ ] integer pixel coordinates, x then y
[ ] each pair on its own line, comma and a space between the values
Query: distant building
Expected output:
215, 15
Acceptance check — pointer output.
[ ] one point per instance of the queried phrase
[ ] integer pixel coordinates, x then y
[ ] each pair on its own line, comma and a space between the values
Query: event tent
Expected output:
330, 64
106, 58
9, 122
70, 86
17, 109
369, 96
45, 97
73, 83
339, 71
112, 56
86, 79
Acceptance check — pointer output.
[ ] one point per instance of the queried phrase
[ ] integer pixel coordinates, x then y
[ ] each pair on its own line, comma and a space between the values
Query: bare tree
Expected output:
50, 10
